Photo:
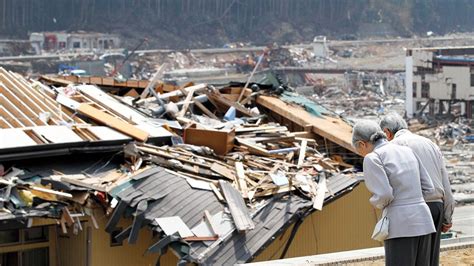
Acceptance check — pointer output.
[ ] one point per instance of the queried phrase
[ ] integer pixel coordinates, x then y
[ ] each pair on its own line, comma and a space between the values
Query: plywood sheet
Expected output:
113, 122
10, 138
111, 104
154, 130
105, 133
57, 134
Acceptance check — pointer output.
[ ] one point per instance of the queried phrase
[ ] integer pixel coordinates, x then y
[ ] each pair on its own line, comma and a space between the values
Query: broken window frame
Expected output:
472, 77
29, 239
14, 242
425, 89
22, 236
24, 245
22, 261
113, 234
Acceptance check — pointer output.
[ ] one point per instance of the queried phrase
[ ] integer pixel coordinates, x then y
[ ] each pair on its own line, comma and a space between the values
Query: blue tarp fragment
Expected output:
309, 105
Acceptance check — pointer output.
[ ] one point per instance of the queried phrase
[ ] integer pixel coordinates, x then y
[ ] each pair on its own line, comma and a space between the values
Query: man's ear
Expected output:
388, 133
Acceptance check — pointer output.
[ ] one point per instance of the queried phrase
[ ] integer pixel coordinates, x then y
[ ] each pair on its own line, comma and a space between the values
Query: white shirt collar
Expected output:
401, 132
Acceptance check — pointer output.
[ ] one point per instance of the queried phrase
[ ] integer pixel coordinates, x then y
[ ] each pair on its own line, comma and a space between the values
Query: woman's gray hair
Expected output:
393, 122
367, 130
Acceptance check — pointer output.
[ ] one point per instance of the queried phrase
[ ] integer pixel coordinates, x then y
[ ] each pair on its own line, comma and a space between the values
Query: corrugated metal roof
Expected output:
170, 195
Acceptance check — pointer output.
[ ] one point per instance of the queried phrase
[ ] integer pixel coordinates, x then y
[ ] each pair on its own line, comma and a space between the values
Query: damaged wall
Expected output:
73, 248
344, 224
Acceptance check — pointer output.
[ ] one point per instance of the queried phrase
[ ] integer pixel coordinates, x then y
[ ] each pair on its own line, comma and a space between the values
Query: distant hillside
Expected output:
201, 23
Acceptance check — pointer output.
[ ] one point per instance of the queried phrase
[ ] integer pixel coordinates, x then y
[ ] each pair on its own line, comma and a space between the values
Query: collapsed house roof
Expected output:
35, 122
168, 194
250, 179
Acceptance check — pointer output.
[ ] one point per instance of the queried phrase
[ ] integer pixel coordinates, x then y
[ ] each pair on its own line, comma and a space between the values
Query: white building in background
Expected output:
320, 46
54, 41
437, 78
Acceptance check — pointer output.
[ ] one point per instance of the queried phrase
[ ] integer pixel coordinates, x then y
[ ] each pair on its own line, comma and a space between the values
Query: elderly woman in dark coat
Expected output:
397, 181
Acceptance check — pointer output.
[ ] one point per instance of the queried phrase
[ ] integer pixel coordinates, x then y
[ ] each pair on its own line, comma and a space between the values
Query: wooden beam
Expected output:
22, 104
274, 191
240, 173
205, 110
48, 99
155, 79
217, 99
4, 123
187, 101
334, 129
217, 192
113, 122
318, 200
50, 191
237, 207
201, 238
10, 117
175, 93
302, 153
208, 219
223, 171
28, 95
252, 147
15, 111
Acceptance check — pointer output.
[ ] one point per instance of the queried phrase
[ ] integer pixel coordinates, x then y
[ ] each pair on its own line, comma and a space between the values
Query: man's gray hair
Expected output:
367, 130
393, 122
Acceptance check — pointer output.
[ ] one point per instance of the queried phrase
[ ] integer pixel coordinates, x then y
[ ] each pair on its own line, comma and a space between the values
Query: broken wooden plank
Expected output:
50, 191
326, 165
62, 222
113, 122
205, 110
217, 192
155, 79
196, 88
224, 104
223, 171
67, 216
208, 219
262, 129
302, 153
240, 173
318, 200
275, 190
200, 238
332, 128
186, 103
237, 207
253, 148
274, 139
83, 181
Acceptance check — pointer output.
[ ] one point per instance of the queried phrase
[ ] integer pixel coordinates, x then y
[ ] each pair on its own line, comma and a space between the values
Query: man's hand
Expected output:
445, 228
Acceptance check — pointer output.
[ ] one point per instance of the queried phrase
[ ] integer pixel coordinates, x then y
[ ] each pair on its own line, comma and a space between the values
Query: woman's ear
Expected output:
388, 133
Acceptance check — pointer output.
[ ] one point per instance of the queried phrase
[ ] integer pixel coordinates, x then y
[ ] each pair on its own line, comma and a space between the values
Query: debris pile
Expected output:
199, 141
26, 195
455, 139
360, 95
